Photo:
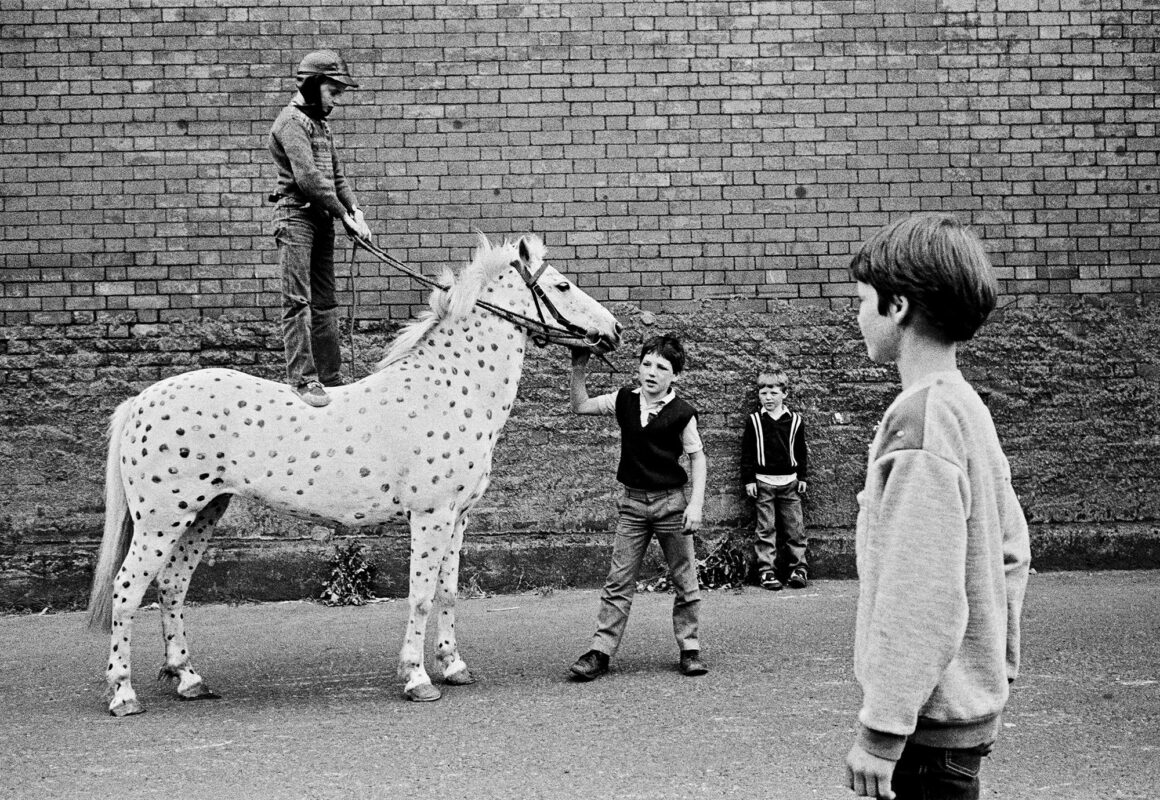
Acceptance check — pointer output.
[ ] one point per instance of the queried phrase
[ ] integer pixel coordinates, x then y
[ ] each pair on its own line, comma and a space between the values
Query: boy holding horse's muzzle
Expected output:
656, 428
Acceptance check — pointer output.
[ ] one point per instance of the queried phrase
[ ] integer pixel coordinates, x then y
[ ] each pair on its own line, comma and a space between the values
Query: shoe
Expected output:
590, 666
797, 579
314, 394
691, 663
770, 581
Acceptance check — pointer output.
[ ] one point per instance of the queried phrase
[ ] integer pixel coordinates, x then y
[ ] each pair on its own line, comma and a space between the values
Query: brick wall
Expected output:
1072, 391
668, 152
699, 167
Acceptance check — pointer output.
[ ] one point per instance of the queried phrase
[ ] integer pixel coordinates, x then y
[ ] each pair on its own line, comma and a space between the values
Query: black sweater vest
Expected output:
649, 456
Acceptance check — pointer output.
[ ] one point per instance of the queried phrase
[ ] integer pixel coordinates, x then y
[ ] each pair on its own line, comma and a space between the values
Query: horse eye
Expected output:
563, 286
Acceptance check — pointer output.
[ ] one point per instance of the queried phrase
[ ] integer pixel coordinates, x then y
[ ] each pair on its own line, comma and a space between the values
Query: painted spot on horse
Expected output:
381, 461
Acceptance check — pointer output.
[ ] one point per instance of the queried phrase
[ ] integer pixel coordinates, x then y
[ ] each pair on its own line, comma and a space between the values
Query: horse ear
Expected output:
525, 255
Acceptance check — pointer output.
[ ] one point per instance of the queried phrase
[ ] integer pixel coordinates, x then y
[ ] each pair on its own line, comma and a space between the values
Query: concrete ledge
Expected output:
1089, 546
236, 569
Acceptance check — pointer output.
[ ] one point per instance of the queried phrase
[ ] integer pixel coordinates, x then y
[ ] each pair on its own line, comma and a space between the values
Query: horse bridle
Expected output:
565, 332
539, 296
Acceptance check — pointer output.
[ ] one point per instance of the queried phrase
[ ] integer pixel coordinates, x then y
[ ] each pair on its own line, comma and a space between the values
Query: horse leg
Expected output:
143, 563
454, 668
172, 585
431, 534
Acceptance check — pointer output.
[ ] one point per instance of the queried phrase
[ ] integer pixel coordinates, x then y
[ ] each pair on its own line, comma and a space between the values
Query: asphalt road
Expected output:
311, 707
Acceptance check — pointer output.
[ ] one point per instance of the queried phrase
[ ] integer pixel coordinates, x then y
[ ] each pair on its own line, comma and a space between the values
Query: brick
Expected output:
605, 104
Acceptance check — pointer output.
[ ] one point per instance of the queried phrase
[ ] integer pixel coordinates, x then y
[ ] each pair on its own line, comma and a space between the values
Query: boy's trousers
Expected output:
643, 515
938, 773
305, 238
781, 534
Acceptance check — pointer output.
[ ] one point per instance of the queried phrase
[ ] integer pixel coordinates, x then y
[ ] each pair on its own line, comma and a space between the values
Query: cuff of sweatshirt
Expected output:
883, 745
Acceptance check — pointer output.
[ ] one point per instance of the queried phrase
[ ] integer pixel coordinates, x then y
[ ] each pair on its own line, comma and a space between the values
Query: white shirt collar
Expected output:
668, 398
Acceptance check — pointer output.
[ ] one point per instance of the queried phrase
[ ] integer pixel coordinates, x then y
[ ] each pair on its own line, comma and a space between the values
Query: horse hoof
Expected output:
461, 678
126, 709
423, 693
199, 691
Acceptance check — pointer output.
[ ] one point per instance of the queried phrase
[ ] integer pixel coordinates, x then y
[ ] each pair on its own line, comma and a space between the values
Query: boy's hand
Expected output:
868, 775
692, 518
356, 225
580, 356
751, 490
802, 486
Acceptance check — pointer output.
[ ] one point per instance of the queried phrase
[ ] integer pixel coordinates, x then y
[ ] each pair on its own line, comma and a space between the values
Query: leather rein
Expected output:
564, 332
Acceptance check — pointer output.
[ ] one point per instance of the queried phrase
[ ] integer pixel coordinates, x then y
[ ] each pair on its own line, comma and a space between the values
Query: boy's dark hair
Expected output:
310, 87
777, 375
936, 263
668, 347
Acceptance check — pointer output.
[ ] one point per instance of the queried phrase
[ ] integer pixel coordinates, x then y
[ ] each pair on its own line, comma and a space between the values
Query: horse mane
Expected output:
462, 292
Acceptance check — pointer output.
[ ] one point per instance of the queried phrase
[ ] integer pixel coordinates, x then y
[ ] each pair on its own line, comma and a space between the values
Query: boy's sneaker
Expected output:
797, 579
691, 663
590, 666
770, 581
314, 394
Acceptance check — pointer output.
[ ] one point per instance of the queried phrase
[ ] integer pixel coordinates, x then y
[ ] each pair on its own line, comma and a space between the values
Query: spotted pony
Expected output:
413, 440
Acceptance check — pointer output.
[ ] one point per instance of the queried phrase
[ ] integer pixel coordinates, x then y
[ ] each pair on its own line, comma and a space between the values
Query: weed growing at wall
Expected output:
351, 577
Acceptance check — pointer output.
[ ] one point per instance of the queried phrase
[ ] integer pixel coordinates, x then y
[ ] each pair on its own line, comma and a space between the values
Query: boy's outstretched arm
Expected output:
694, 511
581, 402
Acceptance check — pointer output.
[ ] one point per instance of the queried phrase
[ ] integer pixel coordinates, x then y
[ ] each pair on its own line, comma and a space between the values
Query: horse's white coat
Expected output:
413, 440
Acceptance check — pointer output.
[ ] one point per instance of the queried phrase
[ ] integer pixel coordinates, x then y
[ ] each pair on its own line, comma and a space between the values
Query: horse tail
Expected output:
118, 528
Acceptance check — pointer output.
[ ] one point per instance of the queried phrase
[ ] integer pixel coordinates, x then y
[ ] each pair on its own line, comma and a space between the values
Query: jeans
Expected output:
781, 534
642, 515
937, 773
305, 238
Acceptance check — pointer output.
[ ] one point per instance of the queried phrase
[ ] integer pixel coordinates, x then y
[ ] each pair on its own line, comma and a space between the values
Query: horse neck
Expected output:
478, 348
496, 341
489, 341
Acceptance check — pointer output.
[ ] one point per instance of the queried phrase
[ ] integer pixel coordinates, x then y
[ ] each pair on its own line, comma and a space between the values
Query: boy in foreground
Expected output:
942, 545
656, 427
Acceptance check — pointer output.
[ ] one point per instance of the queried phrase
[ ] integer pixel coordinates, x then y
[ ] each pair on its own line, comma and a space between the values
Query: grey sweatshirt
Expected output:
308, 167
943, 557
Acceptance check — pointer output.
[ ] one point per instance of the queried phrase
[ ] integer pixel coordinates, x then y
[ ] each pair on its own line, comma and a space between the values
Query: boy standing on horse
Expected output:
312, 191
942, 547
656, 427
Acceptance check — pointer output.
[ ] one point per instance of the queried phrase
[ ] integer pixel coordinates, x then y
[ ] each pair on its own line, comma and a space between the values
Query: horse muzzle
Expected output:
603, 342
